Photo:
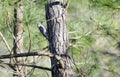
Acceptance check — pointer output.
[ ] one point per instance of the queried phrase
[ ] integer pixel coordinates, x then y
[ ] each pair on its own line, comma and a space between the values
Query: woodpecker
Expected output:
42, 30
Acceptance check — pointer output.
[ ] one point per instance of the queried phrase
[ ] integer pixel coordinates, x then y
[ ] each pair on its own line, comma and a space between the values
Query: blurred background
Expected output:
94, 34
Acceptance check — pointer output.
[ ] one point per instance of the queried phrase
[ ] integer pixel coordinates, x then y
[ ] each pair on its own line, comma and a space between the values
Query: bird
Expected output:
43, 30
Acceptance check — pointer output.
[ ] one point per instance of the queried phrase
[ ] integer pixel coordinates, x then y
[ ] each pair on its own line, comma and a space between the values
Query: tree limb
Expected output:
28, 65
25, 55
34, 54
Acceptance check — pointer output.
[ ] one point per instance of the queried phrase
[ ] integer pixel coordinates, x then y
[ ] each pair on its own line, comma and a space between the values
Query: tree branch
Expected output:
8, 47
34, 54
26, 54
34, 66
28, 65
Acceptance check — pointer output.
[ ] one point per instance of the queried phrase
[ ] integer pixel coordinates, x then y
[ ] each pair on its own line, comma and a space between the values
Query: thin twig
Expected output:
4, 40
28, 65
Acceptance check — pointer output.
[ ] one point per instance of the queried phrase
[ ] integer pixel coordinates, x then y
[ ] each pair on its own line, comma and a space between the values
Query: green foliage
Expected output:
108, 3
93, 29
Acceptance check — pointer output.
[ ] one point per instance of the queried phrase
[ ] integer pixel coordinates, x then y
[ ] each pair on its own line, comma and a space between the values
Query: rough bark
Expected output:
58, 38
18, 41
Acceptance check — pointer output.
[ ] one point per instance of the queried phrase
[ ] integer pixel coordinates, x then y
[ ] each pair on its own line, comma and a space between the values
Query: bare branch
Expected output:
34, 54
25, 55
27, 65
35, 66
4, 40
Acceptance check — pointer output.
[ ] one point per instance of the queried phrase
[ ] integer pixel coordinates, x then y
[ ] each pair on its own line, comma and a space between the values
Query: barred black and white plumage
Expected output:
42, 30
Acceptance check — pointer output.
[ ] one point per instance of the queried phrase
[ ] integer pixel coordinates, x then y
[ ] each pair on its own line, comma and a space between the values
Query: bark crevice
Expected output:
58, 38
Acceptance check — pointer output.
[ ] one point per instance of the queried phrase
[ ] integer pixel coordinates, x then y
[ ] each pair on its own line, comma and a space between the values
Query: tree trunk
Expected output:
18, 41
58, 38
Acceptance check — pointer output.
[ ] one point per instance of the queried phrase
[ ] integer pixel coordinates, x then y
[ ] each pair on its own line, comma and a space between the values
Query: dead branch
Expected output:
33, 54
34, 66
25, 55
4, 40
27, 65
